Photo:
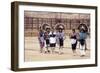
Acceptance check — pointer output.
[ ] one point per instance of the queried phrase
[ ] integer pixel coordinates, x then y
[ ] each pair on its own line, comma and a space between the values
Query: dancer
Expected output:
41, 40
83, 26
82, 38
52, 40
61, 38
47, 39
74, 41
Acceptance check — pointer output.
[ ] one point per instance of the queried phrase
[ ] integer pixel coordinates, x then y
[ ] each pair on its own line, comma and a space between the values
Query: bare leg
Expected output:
41, 47
47, 49
74, 52
60, 50
82, 50
53, 48
41, 50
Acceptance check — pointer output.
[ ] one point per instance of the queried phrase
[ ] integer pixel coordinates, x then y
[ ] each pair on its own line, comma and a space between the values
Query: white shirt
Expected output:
53, 39
73, 41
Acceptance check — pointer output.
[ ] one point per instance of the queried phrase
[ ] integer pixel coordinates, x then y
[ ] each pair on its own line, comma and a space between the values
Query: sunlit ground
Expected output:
32, 51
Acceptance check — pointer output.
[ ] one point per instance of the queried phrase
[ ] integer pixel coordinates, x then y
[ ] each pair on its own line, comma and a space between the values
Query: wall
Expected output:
5, 36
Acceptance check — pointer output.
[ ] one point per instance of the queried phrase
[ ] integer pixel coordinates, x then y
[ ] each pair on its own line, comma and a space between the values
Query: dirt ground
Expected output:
32, 51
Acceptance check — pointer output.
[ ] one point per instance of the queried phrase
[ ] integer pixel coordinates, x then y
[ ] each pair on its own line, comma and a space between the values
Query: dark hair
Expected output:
84, 30
73, 30
47, 29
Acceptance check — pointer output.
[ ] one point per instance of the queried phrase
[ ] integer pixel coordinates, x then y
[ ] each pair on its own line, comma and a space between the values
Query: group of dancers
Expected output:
50, 38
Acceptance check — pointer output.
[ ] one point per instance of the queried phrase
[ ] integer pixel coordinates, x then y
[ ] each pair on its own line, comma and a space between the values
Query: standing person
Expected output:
41, 40
83, 26
61, 39
82, 38
52, 40
47, 39
74, 41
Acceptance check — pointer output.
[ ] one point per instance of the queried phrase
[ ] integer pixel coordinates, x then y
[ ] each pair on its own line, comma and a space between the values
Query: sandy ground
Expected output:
32, 51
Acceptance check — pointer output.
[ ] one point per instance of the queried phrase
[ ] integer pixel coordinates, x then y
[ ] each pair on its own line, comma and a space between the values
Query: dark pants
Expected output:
61, 41
74, 46
82, 41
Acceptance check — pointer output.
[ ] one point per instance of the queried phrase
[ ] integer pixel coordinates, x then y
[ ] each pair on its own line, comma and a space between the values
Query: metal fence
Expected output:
33, 21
